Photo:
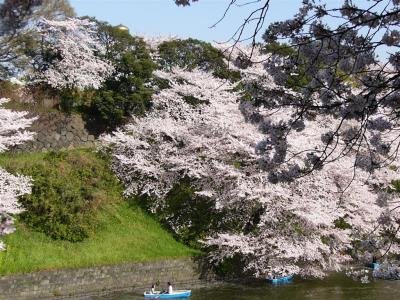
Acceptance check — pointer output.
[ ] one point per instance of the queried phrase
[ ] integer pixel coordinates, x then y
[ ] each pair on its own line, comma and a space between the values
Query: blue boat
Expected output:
283, 279
374, 266
176, 294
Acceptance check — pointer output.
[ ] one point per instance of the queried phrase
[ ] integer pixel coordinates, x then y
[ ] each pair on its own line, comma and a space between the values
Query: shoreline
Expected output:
84, 282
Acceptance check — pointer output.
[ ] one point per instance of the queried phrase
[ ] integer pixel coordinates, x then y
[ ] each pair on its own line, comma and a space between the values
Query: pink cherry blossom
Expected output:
12, 132
77, 46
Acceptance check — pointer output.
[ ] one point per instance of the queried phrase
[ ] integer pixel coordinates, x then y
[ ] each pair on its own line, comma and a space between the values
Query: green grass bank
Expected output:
78, 217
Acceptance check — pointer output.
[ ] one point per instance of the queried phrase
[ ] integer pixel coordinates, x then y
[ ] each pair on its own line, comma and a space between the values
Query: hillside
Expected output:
119, 231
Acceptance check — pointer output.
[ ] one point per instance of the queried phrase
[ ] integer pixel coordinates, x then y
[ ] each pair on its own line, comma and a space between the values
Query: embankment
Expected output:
74, 283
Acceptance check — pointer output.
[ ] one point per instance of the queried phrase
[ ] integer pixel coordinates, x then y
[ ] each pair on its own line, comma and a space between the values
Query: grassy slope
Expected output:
123, 233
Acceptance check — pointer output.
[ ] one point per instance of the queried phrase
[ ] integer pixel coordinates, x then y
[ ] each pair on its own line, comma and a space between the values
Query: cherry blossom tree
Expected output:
205, 129
350, 190
12, 132
11, 187
181, 109
71, 55
12, 127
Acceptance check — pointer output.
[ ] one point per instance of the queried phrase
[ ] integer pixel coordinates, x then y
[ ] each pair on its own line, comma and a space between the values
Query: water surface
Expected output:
337, 286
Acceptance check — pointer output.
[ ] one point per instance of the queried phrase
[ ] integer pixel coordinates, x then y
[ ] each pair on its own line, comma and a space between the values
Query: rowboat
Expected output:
283, 279
174, 295
374, 266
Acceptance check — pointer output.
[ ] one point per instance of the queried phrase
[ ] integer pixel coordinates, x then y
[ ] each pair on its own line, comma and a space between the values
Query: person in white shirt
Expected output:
153, 289
170, 289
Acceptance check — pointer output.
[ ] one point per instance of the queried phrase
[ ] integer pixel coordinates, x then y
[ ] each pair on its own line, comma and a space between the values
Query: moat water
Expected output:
337, 286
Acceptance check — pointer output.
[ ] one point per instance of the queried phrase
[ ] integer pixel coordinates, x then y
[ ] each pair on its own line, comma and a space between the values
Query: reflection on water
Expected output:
334, 287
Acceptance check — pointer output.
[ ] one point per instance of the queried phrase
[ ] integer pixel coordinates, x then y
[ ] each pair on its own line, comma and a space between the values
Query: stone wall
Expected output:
56, 130
74, 283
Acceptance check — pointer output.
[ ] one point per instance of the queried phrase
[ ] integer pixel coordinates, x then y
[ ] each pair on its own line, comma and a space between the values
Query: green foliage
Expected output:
281, 49
161, 83
56, 293
245, 90
231, 267
251, 227
395, 186
126, 92
191, 217
194, 101
237, 164
191, 54
194, 216
68, 189
299, 228
111, 108
68, 100
348, 78
326, 239
341, 223
297, 77
8, 89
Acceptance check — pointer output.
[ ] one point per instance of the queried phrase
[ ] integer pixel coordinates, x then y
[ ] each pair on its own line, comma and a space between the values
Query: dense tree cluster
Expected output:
279, 157
96, 69
216, 137
127, 92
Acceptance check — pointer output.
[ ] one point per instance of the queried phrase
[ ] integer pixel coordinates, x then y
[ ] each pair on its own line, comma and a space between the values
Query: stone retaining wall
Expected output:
56, 130
184, 273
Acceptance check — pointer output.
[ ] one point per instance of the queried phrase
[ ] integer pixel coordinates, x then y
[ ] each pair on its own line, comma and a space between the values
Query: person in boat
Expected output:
153, 289
170, 290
